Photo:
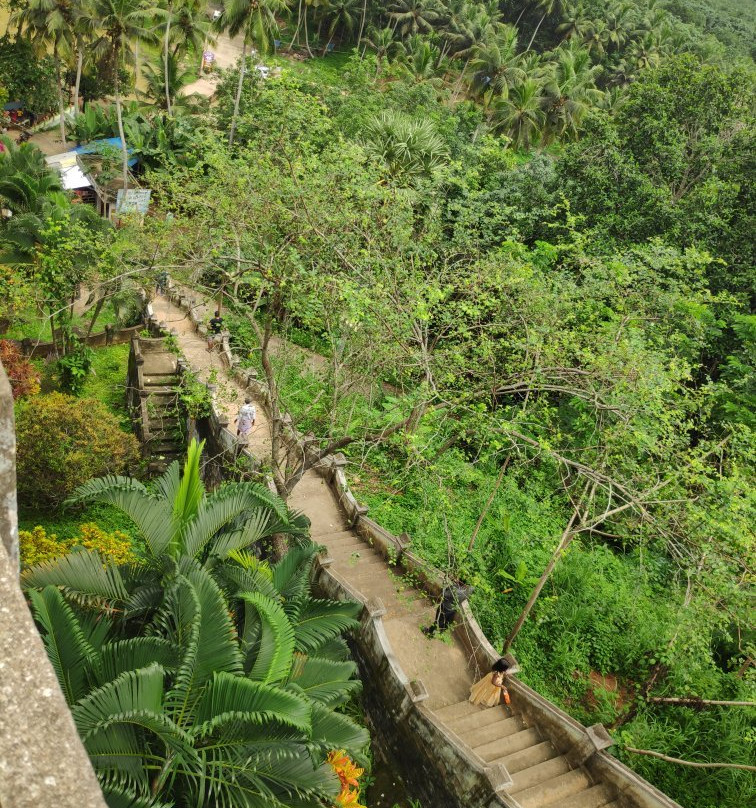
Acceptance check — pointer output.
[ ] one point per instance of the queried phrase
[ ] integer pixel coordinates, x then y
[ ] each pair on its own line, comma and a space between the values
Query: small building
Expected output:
80, 172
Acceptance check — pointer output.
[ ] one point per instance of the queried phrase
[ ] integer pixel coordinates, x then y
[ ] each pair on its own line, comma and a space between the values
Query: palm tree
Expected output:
548, 7
382, 43
596, 38
343, 16
121, 21
570, 91
617, 21
83, 35
50, 22
575, 24
162, 83
422, 61
256, 20
496, 66
209, 700
521, 113
415, 16
408, 148
192, 30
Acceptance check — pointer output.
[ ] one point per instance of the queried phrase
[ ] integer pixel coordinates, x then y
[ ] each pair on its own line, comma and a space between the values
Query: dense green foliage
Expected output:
519, 235
200, 673
63, 442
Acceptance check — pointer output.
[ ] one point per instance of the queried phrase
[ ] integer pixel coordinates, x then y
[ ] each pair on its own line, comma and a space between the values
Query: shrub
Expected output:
22, 375
65, 441
38, 545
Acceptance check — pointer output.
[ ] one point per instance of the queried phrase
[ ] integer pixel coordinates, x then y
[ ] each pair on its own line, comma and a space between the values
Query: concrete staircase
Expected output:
541, 776
156, 406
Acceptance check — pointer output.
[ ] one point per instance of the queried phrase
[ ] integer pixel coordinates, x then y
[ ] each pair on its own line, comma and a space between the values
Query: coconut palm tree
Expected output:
575, 24
49, 23
422, 61
382, 43
548, 7
570, 91
161, 84
191, 29
521, 114
342, 16
596, 38
415, 16
256, 21
496, 65
121, 21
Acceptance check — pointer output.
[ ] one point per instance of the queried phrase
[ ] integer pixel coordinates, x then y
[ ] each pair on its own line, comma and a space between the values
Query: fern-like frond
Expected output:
323, 620
324, 680
331, 730
151, 516
276, 645
68, 649
84, 576
139, 652
228, 695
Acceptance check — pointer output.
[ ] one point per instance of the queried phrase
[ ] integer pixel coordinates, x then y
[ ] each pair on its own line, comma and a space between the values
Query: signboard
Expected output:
134, 200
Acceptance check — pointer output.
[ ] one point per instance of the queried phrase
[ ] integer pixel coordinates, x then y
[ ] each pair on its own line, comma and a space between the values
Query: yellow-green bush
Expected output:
63, 442
38, 545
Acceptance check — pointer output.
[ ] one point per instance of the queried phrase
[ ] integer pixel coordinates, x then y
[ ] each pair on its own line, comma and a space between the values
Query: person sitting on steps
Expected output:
490, 690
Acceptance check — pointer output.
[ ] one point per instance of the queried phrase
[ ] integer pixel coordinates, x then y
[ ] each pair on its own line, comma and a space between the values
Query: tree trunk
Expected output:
119, 115
307, 37
165, 59
299, 23
483, 513
362, 24
237, 100
96, 313
567, 537
79, 66
61, 102
534, 33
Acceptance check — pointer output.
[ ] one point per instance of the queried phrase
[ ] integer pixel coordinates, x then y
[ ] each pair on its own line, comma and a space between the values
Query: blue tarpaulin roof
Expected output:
95, 146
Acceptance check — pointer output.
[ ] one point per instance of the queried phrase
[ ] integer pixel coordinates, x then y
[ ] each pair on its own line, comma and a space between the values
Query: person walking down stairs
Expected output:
452, 597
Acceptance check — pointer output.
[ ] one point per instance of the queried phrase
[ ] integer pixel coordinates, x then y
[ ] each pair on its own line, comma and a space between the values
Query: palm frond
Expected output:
228, 695
84, 576
323, 620
151, 516
275, 648
337, 731
66, 644
191, 490
138, 652
324, 680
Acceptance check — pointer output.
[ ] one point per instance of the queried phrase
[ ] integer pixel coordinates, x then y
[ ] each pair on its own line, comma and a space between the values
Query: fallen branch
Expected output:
692, 701
690, 762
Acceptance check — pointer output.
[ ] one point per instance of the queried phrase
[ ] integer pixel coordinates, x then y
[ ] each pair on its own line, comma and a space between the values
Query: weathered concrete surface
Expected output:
42, 761
8, 506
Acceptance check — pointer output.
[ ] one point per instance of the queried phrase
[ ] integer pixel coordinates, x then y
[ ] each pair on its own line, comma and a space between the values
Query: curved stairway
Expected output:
541, 776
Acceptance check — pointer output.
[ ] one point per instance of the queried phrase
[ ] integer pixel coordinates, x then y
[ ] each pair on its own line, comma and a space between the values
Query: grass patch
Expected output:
107, 381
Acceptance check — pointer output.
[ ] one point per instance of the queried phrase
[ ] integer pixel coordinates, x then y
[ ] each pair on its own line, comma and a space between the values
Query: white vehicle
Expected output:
263, 71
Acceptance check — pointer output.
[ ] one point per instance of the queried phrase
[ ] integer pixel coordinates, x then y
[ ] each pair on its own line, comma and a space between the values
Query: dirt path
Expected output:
440, 663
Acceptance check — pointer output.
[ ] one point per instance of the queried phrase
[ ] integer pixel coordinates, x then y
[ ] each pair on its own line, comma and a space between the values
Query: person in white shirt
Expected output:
245, 420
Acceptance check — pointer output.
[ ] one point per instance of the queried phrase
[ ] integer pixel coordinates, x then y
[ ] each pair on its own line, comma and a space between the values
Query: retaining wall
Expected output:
110, 336
450, 773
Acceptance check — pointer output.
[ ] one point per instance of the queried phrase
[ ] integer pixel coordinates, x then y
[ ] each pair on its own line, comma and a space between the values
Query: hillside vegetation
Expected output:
518, 239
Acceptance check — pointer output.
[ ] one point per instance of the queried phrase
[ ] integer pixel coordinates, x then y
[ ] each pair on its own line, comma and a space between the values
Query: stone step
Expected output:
539, 773
457, 710
334, 536
479, 736
347, 549
486, 716
501, 747
531, 756
358, 559
596, 797
554, 791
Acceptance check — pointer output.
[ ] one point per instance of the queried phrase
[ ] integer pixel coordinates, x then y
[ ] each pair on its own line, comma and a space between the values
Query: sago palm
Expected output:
188, 712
